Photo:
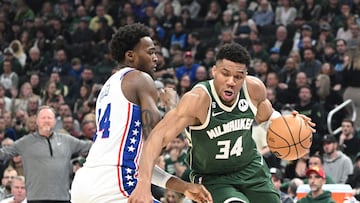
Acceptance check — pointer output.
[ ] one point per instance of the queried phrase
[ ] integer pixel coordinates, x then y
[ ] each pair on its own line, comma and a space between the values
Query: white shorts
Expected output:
98, 184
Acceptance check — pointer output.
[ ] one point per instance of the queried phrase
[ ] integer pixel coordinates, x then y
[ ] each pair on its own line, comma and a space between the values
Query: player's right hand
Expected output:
198, 193
141, 195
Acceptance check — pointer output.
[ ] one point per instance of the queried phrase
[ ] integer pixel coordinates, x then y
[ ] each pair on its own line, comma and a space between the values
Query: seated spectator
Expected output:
263, 16
354, 179
317, 179
285, 13
277, 179
349, 141
9, 79
5, 188
189, 68
336, 164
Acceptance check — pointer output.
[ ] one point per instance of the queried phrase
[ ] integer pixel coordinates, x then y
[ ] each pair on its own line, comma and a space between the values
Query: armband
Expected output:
160, 177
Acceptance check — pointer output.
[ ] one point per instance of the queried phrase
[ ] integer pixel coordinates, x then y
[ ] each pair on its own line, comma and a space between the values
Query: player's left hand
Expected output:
306, 119
198, 193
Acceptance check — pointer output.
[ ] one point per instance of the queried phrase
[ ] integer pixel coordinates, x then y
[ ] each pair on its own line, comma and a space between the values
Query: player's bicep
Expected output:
264, 111
149, 112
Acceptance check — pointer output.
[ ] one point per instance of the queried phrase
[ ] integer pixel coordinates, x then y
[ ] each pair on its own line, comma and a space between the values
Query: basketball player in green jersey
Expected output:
220, 114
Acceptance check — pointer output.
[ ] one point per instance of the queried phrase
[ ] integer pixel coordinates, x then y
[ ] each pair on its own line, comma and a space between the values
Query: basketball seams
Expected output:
292, 136
282, 139
283, 128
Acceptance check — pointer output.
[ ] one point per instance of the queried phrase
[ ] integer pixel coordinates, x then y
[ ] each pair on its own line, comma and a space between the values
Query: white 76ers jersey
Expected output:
118, 138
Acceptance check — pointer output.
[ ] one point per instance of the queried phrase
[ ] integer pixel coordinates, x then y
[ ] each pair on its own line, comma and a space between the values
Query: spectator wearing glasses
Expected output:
5, 188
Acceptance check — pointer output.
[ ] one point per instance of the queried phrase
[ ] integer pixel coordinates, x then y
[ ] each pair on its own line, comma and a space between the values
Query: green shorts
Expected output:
249, 185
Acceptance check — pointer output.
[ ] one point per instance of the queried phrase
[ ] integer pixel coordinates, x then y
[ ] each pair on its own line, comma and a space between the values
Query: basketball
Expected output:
288, 137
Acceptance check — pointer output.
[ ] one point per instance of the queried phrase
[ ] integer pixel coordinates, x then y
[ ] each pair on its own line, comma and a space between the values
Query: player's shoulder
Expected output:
255, 88
254, 82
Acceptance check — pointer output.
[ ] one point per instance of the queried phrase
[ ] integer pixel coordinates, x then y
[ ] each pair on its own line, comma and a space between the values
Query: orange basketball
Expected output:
288, 137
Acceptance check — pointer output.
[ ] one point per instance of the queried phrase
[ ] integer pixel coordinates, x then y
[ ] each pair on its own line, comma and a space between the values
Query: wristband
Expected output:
160, 177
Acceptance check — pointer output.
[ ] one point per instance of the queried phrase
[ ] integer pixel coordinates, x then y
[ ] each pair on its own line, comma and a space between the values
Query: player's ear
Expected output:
130, 54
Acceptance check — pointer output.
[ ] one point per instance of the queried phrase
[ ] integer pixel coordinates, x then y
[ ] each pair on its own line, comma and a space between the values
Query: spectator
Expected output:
310, 11
277, 179
196, 46
336, 164
287, 81
307, 106
243, 26
263, 16
349, 141
162, 9
201, 74
189, 68
344, 32
317, 179
17, 190
8, 78
354, 41
83, 40
306, 33
226, 23
35, 64
53, 168
328, 99
293, 185
69, 125
51, 95
258, 52
184, 85
60, 64
213, 14
103, 34
282, 42
8, 55
5, 188
354, 179
179, 36
338, 62
21, 102
351, 83
194, 8
8, 127
100, 12
18, 52
88, 129
36, 84
285, 13
310, 66
3, 95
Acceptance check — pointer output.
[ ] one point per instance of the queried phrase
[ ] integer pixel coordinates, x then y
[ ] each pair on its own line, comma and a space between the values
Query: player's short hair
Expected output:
126, 38
234, 52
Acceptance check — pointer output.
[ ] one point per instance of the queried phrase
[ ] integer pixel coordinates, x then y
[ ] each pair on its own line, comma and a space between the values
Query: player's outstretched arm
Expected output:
174, 122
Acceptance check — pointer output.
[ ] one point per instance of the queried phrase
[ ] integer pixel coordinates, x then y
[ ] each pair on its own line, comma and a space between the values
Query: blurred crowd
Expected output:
307, 53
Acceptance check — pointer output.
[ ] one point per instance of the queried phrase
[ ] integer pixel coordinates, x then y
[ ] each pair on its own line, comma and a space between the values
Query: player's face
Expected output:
316, 182
228, 80
144, 55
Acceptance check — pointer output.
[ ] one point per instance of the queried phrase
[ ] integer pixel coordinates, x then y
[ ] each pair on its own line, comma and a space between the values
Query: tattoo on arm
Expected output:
148, 122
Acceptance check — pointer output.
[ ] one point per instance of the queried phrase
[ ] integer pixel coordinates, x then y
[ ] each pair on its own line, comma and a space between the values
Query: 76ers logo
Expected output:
243, 105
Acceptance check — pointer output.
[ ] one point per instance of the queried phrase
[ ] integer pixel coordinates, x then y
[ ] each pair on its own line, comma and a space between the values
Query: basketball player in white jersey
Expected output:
126, 112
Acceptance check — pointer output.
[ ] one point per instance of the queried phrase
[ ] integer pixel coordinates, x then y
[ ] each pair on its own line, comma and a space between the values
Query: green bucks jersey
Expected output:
223, 143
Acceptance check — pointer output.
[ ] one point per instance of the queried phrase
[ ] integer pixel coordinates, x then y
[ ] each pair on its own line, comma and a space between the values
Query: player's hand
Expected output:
141, 194
306, 119
198, 193
168, 98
